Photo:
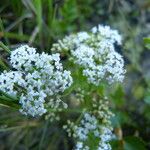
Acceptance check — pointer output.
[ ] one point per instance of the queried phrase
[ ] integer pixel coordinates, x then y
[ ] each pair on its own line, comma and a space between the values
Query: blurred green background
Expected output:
41, 23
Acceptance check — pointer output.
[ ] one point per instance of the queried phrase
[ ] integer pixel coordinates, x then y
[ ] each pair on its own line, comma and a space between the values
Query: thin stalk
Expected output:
67, 110
25, 125
7, 103
80, 117
43, 135
3, 31
3, 65
16, 36
4, 47
50, 12
8, 96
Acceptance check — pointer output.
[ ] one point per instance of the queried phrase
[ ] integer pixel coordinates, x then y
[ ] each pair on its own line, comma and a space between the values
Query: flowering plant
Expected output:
37, 84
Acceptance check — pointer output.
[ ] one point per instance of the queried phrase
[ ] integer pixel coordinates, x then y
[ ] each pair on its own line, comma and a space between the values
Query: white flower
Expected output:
88, 125
38, 76
104, 146
95, 53
107, 32
83, 36
8, 81
79, 145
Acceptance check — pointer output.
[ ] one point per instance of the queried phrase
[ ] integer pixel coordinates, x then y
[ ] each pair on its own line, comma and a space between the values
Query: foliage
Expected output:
40, 24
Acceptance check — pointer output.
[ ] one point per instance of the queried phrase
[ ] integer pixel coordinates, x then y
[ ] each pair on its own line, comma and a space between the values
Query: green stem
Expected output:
3, 31
25, 125
6, 102
3, 65
67, 110
8, 96
4, 47
80, 117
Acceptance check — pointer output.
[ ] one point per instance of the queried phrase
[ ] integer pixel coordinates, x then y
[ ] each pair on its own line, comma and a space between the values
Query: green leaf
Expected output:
128, 143
3, 65
38, 7
147, 42
9, 104
138, 91
8, 96
4, 47
4, 101
134, 143
147, 100
120, 118
117, 144
12, 35
118, 96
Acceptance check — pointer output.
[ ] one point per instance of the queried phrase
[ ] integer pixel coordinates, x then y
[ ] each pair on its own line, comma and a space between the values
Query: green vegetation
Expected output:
40, 23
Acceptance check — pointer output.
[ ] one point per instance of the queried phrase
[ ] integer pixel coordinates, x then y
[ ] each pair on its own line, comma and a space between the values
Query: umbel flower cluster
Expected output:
89, 127
95, 126
36, 79
95, 52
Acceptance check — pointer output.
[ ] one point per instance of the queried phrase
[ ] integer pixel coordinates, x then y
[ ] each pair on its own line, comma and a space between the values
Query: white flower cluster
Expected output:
100, 108
9, 80
89, 126
55, 106
108, 33
94, 125
38, 77
95, 53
